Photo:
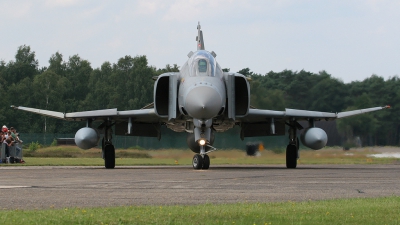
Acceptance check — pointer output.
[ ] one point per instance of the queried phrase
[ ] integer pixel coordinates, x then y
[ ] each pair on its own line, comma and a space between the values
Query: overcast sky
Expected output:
349, 39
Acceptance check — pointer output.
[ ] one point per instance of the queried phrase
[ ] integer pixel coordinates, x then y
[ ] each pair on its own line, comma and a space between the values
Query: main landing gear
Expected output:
109, 156
291, 156
108, 148
292, 150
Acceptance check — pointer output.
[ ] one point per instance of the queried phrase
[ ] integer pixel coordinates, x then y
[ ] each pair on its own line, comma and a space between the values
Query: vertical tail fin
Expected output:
199, 38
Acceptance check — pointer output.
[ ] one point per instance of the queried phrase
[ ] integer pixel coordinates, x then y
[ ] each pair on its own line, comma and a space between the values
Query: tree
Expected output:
168, 68
328, 95
78, 73
57, 65
100, 87
246, 72
49, 88
25, 65
266, 98
364, 125
132, 78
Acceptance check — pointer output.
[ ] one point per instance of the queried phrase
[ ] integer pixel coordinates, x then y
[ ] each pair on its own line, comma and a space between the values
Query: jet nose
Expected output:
203, 102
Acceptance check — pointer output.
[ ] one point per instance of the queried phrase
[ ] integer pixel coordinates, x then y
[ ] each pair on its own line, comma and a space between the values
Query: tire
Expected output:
109, 156
102, 149
291, 156
206, 162
197, 162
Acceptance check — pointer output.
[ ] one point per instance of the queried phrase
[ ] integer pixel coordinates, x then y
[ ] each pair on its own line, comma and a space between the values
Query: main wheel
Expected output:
109, 156
206, 162
103, 147
197, 162
291, 156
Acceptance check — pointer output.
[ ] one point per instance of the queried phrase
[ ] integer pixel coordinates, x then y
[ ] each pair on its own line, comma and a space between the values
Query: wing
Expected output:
259, 115
140, 115
260, 122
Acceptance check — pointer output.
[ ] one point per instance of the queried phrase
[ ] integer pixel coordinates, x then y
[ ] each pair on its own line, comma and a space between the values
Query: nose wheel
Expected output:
201, 162
206, 162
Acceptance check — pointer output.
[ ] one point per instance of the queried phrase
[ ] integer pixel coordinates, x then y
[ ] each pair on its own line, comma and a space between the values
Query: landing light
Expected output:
202, 142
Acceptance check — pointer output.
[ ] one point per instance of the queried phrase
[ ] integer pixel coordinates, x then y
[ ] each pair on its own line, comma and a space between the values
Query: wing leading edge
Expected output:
259, 115
140, 115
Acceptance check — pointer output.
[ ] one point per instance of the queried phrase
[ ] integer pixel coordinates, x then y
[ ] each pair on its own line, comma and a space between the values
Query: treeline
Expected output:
69, 85
322, 92
72, 84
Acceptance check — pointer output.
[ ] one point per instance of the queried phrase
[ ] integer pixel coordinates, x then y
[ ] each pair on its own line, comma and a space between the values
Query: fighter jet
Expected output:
200, 100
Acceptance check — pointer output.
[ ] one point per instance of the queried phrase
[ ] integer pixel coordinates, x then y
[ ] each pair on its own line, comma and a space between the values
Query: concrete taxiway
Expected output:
58, 187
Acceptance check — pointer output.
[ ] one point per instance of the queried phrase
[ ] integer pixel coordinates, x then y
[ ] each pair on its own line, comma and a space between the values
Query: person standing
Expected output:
8, 143
2, 137
16, 140
4, 128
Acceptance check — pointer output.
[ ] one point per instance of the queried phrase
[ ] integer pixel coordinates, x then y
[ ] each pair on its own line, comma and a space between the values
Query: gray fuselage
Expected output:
202, 93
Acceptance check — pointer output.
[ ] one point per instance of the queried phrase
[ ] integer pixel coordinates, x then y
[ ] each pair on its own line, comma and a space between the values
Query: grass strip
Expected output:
73, 156
385, 210
244, 160
35, 161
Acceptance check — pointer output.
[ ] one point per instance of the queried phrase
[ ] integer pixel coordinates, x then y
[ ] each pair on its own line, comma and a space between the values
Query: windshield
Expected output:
202, 63
202, 66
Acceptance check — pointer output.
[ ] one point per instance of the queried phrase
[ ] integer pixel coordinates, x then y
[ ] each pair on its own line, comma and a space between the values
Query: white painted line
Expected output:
10, 187
386, 155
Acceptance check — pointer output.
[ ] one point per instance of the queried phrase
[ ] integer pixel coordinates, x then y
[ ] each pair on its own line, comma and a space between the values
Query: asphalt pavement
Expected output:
27, 187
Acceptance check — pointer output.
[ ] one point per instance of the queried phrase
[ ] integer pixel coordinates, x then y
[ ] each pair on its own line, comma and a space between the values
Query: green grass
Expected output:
34, 161
75, 152
343, 211
73, 156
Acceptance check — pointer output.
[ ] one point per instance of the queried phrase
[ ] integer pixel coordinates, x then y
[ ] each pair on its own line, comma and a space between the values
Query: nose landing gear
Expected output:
202, 160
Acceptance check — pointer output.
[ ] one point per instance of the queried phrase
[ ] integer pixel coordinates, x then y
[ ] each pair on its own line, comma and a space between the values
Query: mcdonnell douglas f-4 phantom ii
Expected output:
200, 99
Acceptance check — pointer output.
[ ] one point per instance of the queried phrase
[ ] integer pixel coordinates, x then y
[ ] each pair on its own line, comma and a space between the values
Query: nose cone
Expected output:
203, 102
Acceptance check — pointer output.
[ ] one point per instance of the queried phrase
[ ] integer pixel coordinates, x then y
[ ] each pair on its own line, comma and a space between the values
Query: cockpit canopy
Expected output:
202, 63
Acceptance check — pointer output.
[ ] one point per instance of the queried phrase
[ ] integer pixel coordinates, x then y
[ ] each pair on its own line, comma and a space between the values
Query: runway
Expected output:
59, 187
